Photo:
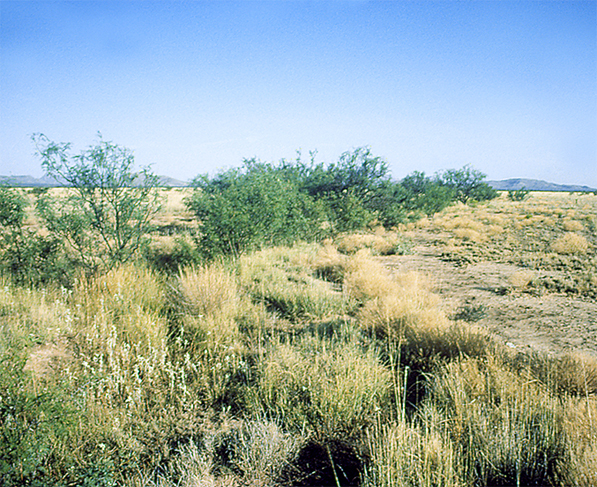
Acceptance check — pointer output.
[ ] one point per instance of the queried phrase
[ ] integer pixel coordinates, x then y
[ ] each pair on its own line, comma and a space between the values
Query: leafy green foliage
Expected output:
12, 208
256, 205
426, 194
28, 257
30, 425
354, 191
518, 194
467, 184
106, 216
271, 204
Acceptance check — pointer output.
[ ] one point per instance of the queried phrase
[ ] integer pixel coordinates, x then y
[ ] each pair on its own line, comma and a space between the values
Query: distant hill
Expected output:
47, 182
535, 185
167, 182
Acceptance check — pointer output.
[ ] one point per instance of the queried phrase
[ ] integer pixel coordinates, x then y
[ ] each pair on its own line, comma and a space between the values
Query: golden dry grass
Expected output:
223, 374
521, 279
570, 243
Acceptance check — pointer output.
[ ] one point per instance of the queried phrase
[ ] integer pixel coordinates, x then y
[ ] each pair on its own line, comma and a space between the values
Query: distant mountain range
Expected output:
167, 182
535, 185
47, 182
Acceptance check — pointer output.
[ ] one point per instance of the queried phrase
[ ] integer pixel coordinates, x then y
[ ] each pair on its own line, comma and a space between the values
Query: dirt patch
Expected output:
487, 294
45, 358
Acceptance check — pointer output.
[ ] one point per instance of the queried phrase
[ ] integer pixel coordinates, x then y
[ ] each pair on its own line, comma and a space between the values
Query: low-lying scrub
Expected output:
296, 366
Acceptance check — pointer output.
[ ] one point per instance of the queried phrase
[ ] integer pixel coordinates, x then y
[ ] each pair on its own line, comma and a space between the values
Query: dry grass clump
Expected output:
257, 453
366, 278
521, 279
580, 423
112, 301
569, 374
500, 437
470, 234
329, 264
405, 303
380, 243
333, 389
410, 456
495, 230
570, 243
286, 283
209, 291
572, 225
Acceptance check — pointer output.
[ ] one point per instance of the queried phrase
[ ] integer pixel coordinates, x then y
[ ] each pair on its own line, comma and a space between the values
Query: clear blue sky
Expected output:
194, 87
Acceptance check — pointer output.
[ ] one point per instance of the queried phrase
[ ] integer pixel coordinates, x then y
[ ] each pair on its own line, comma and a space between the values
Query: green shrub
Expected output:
32, 424
426, 195
248, 208
26, 256
467, 184
518, 194
106, 215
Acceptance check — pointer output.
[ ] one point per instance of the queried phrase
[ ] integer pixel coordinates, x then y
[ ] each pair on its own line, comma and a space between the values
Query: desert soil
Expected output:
481, 293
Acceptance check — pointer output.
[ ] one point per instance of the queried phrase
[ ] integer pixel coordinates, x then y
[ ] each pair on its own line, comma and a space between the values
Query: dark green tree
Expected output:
467, 184
257, 205
426, 194
354, 190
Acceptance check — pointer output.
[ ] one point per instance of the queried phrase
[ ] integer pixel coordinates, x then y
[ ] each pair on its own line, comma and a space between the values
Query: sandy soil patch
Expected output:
484, 293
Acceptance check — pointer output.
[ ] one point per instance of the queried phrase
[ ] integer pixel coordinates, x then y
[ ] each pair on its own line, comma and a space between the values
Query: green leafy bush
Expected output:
106, 215
426, 195
467, 184
518, 194
26, 256
259, 204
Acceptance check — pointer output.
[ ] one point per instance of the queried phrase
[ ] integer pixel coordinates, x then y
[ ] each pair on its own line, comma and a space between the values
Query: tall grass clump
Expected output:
513, 435
570, 243
411, 456
286, 281
332, 390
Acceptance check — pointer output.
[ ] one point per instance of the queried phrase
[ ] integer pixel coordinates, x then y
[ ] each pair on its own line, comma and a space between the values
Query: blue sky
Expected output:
195, 87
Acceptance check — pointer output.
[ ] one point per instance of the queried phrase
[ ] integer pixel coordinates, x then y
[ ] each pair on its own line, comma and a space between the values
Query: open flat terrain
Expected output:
499, 267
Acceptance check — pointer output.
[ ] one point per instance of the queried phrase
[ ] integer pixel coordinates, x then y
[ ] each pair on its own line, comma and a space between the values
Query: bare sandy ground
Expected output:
482, 292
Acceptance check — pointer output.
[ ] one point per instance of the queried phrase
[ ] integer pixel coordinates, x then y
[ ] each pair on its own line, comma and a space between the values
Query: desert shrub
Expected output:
105, 217
27, 256
425, 194
354, 190
258, 205
518, 194
467, 184
570, 243
264, 204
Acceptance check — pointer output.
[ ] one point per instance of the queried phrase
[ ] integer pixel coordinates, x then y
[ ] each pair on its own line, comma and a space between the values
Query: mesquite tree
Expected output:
107, 211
